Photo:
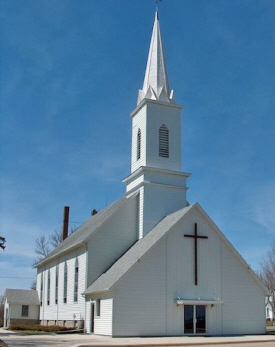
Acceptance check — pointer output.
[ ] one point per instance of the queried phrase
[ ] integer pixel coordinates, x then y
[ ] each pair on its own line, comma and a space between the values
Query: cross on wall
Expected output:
196, 237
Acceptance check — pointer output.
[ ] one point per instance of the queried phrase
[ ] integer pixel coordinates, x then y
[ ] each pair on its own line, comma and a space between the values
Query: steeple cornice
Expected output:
156, 85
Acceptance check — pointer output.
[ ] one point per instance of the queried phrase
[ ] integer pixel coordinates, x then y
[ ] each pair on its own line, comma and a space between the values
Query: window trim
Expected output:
23, 308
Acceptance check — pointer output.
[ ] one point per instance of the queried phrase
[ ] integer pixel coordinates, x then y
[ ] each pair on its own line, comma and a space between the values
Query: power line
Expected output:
17, 277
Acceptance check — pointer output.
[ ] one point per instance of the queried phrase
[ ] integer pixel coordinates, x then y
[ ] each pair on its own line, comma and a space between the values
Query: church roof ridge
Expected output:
156, 85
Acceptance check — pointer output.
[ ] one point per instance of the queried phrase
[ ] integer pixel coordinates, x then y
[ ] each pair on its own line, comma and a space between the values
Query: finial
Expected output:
157, 2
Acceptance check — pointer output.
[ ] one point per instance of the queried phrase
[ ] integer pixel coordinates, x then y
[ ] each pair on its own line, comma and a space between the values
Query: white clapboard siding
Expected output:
70, 310
103, 324
145, 297
154, 208
180, 272
139, 308
242, 307
16, 312
112, 239
88, 313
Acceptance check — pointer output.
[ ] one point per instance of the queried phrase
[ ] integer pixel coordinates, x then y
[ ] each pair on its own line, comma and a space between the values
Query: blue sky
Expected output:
70, 74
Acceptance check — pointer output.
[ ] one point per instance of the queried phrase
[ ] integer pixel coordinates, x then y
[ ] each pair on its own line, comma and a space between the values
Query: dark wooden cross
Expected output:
196, 237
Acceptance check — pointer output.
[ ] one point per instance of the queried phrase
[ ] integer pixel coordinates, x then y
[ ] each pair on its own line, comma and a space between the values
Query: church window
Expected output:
25, 311
138, 144
76, 280
41, 290
164, 141
65, 283
98, 303
49, 287
56, 284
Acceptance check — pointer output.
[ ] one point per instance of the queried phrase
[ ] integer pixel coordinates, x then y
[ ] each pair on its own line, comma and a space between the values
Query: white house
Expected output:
150, 263
21, 306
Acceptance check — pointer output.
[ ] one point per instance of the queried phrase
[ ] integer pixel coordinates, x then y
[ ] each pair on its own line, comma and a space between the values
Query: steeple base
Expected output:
161, 192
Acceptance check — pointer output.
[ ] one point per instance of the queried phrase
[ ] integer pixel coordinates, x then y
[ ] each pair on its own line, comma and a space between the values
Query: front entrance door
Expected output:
194, 319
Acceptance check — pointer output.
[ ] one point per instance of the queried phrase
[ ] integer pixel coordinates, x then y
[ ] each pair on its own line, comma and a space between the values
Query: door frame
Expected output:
92, 316
195, 320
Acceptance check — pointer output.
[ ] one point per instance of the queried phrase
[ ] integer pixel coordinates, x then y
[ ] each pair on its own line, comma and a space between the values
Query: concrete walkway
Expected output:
84, 340
177, 341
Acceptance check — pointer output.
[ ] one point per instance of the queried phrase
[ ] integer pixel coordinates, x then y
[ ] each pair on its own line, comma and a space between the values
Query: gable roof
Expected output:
135, 253
108, 279
82, 234
22, 296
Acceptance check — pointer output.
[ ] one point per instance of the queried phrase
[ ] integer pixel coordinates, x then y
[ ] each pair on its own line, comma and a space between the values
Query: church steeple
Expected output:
155, 85
156, 144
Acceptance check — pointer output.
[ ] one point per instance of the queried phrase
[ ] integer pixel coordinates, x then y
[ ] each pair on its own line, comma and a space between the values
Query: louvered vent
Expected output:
163, 142
138, 144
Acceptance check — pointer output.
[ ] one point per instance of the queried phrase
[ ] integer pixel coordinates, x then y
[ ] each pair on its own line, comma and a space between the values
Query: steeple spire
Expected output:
155, 85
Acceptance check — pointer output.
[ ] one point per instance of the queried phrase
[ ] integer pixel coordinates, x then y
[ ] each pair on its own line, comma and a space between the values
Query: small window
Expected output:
163, 142
25, 311
138, 144
98, 303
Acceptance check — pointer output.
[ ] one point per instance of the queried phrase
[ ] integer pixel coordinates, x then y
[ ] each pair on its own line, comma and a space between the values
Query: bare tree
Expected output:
2, 242
33, 285
267, 275
42, 248
55, 238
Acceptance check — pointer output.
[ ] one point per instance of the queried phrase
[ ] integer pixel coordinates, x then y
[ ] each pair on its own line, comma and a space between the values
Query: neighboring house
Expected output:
20, 307
150, 264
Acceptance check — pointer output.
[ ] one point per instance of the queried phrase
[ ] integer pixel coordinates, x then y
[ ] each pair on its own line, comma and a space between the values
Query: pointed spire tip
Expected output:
157, 15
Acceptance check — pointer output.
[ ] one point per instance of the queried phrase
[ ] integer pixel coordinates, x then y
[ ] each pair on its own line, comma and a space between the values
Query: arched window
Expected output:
138, 144
76, 280
41, 289
56, 284
49, 287
65, 283
163, 142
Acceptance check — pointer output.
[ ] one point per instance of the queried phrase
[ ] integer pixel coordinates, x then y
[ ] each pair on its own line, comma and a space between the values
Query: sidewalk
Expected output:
177, 341
85, 340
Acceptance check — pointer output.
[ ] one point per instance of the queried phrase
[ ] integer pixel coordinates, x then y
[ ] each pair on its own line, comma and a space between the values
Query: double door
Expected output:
194, 319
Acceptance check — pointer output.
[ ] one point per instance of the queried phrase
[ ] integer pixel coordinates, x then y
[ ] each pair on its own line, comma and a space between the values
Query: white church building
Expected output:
150, 264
